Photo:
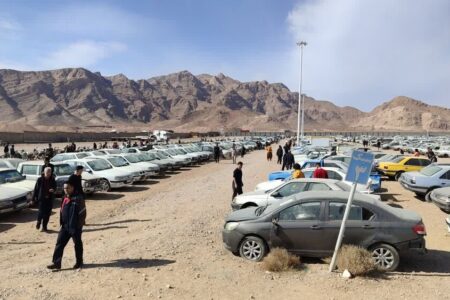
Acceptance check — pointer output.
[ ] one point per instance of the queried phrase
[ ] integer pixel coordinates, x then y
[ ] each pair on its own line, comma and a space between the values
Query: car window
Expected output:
308, 174
413, 162
82, 155
301, 212
10, 176
29, 170
357, 213
446, 175
430, 170
425, 162
291, 189
317, 186
63, 170
334, 175
58, 158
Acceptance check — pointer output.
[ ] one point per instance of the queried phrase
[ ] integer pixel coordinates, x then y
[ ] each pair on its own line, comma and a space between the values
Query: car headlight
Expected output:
231, 226
413, 180
29, 196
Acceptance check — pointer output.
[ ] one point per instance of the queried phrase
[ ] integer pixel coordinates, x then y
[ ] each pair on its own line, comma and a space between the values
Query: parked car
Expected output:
174, 163
151, 169
8, 163
70, 155
153, 159
308, 225
441, 198
16, 192
443, 151
111, 178
277, 175
394, 169
426, 180
117, 162
288, 188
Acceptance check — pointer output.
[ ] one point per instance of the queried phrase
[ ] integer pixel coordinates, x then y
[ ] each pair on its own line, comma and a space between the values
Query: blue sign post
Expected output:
358, 172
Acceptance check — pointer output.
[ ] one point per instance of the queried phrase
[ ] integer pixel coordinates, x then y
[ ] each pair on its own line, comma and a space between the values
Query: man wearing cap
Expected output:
75, 181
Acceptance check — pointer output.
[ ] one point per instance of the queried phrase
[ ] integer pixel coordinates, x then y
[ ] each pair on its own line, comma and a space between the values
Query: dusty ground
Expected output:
162, 239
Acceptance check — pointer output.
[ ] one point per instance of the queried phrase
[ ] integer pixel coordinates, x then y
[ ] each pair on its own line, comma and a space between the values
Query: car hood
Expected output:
251, 196
9, 193
268, 185
241, 215
26, 184
89, 176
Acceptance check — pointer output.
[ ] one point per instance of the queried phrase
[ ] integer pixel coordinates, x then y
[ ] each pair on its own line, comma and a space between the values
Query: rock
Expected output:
169, 287
346, 274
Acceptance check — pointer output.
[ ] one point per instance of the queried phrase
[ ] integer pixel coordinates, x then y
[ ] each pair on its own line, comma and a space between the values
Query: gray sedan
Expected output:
441, 197
308, 224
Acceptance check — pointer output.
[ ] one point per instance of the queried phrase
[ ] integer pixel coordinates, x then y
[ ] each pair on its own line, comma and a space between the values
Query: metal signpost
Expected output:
358, 172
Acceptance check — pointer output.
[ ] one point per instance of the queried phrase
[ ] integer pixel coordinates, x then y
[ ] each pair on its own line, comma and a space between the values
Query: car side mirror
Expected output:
275, 221
276, 195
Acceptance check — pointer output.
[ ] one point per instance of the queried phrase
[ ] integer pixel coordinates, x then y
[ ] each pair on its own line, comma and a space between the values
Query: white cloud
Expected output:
362, 52
8, 25
81, 54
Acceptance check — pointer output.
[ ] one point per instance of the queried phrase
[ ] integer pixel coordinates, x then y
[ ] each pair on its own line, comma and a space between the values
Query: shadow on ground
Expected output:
105, 196
133, 189
146, 182
103, 228
434, 263
129, 263
120, 222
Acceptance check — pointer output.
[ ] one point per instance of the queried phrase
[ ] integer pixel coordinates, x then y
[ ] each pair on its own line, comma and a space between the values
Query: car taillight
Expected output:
420, 229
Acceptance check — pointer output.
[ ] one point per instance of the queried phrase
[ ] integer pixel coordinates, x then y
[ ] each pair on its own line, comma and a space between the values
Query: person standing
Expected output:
94, 146
242, 151
50, 151
72, 220
6, 150
297, 172
237, 180
75, 181
279, 154
233, 153
43, 196
217, 153
416, 153
48, 164
319, 172
269, 153
12, 152
378, 144
288, 160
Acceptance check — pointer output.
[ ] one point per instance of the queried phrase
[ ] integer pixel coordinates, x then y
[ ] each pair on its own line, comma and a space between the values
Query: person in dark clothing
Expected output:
43, 196
72, 220
431, 155
12, 151
402, 151
237, 180
217, 153
48, 164
49, 151
288, 161
75, 181
242, 151
378, 144
279, 154
6, 150
95, 146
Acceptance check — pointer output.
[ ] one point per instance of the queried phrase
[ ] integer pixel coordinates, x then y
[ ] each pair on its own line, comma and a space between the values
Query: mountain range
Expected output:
78, 99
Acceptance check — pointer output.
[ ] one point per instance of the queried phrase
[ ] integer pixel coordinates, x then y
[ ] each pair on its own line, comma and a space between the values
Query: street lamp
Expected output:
301, 44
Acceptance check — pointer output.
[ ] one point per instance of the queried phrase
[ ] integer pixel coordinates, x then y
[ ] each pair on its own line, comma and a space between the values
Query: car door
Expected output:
361, 227
30, 171
298, 228
412, 164
444, 179
289, 189
334, 175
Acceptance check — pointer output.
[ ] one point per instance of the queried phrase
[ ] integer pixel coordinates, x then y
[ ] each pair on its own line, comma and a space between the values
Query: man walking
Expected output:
288, 160
12, 152
233, 153
44, 195
217, 153
237, 180
319, 172
72, 219
6, 150
279, 154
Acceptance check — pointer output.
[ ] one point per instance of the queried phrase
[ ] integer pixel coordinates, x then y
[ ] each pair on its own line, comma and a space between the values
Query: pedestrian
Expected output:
279, 154
288, 160
416, 153
43, 196
297, 172
47, 163
75, 181
216, 153
402, 151
237, 180
72, 220
6, 150
269, 153
12, 152
49, 151
242, 151
234, 153
378, 144
94, 146
319, 172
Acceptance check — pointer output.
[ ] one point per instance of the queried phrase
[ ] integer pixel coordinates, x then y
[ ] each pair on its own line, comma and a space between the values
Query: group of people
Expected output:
72, 212
9, 150
217, 152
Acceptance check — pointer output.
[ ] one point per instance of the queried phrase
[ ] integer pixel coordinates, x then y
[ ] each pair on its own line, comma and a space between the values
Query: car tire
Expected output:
105, 184
428, 196
386, 257
397, 175
252, 248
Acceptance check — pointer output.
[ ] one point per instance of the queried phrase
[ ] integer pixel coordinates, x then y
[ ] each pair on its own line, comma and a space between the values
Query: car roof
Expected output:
334, 195
7, 169
314, 180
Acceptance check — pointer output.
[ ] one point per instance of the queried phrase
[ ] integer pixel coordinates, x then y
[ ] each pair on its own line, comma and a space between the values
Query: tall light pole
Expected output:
301, 44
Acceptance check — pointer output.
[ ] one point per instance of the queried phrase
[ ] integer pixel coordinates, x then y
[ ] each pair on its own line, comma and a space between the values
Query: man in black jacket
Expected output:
72, 220
288, 161
75, 181
279, 154
217, 153
44, 195
237, 180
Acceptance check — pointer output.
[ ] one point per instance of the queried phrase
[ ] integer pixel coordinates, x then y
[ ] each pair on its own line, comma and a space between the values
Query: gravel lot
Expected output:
162, 239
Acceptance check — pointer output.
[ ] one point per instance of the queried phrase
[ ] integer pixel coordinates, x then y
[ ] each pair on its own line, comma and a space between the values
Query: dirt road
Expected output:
162, 239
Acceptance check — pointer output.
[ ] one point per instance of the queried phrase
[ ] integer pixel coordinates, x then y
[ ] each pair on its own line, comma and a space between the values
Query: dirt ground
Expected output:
162, 240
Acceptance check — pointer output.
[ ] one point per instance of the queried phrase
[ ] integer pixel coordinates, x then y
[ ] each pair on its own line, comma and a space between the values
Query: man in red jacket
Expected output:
319, 172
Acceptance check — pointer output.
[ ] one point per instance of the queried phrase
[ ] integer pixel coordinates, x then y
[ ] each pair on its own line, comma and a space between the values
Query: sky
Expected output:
359, 52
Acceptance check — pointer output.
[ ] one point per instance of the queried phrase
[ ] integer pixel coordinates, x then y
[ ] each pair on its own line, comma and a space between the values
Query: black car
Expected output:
308, 225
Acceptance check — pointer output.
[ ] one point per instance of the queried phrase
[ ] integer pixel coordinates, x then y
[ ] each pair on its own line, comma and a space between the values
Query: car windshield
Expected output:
430, 170
63, 170
133, 159
143, 157
98, 153
82, 155
181, 151
118, 161
172, 152
10, 176
152, 156
99, 165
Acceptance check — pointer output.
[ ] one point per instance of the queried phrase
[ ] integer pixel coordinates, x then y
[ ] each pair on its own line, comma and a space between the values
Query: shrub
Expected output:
280, 260
357, 260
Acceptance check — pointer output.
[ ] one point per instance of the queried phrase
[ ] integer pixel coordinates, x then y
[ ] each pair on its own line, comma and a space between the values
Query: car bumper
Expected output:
14, 207
386, 172
418, 245
441, 203
119, 184
140, 178
231, 240
413, 188
151, 173
93, 189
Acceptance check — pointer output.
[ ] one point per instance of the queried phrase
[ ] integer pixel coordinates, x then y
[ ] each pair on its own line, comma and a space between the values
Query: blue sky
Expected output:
359, 53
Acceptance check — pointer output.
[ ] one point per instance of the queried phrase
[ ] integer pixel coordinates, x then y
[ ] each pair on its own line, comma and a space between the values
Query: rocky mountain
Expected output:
69, 99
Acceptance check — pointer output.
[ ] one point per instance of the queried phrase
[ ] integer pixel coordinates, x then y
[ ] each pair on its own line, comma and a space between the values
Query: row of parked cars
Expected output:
304, 216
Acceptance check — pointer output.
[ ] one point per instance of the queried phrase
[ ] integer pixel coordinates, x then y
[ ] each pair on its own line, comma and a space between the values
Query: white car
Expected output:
291, 187
444, 151
10, 163
173, 153
118, 162
16, 192
150, 169
111, 178
70, 155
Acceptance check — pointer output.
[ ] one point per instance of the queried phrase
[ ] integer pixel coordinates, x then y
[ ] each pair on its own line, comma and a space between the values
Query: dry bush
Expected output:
357, 260
280, 260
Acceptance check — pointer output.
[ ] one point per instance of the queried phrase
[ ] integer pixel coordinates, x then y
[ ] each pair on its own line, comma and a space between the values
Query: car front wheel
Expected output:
252, 248
385, 257
105, 185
